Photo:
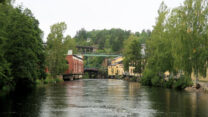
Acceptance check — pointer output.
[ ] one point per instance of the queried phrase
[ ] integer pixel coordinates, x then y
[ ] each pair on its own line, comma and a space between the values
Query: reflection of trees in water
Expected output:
170, 102
22, 103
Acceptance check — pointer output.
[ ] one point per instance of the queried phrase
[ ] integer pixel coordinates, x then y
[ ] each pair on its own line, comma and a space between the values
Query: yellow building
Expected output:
201, 78
193, 77
116, 67
131, 71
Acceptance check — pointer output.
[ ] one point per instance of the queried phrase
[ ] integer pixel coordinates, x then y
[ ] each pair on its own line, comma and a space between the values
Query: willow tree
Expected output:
191, 38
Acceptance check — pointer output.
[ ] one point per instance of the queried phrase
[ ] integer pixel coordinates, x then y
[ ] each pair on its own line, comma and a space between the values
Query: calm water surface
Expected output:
104, 98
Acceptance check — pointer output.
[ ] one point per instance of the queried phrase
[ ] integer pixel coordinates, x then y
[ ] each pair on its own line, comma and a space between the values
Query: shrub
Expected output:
156, 81
168, 83
86, 76
147, 76
57, 80
46, 81
38, 81
183, 82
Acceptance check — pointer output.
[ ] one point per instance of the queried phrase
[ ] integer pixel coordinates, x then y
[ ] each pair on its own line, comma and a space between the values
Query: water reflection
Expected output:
169, 102
95, 98
22, 104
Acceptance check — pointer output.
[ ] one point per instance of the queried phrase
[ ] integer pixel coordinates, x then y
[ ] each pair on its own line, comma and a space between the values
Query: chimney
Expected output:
70, 52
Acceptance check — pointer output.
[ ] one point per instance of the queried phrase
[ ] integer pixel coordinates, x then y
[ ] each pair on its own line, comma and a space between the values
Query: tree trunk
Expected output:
197, 78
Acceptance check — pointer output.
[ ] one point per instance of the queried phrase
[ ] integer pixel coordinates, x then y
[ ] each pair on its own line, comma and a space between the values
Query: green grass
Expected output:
48, 80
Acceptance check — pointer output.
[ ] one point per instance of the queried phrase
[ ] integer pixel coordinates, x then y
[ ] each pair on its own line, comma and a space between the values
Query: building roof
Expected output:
117, 57
78, 57
120, 62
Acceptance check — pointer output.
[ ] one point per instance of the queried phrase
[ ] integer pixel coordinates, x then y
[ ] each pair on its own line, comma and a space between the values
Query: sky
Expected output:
134, 15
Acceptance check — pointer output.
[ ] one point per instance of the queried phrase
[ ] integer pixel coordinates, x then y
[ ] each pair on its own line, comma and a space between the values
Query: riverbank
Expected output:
49, 80
203, 85
38, 83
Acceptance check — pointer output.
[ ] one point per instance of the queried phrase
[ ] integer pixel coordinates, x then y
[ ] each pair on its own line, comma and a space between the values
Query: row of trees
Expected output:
22, 58
111, 41
179, 41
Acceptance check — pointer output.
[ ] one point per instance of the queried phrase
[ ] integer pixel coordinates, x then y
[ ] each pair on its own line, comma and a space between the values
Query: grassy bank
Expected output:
48, 80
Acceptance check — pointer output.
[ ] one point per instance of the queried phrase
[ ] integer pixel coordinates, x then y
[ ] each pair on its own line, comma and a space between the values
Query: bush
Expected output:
38, 81
156, 81
147, 76
169, 83
86, 76
46, 81
57, 80
183, 82
49, 80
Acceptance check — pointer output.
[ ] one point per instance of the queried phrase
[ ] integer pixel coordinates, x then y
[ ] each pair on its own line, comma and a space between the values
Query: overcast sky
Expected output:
134, 15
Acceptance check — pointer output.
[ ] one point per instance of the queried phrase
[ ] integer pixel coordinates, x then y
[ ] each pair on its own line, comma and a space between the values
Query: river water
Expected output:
104, 98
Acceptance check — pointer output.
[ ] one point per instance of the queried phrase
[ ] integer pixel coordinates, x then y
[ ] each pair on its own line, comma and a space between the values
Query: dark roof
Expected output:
77, 57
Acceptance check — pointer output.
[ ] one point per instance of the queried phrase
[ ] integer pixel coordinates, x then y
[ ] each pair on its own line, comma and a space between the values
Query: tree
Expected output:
5, 71
24, 46
70, 44
192, 38
159, 46
179, 40
132, 54
57, 47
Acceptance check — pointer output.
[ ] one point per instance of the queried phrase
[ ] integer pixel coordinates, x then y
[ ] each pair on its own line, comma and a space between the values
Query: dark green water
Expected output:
104, 98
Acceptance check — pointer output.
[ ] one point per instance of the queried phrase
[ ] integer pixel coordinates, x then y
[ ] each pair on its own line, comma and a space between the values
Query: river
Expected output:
104, 98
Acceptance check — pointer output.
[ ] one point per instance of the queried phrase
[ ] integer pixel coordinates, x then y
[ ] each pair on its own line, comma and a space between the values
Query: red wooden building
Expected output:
75, 67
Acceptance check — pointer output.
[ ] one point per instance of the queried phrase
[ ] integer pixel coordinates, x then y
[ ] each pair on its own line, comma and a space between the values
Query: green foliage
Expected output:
156, 81
179, 41
169, 83
86, 75
50, 80
148, 74
192, 38
159, 50
21, 49
150, 78
38, 82
132, 54
24, 47
143, 36
108, 40
57, 48
93, 62
5, 71
183, 82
